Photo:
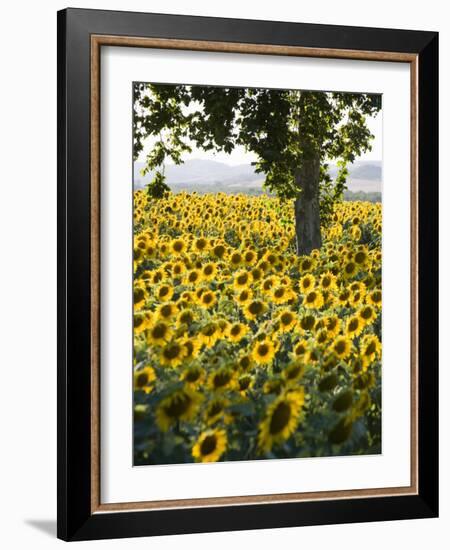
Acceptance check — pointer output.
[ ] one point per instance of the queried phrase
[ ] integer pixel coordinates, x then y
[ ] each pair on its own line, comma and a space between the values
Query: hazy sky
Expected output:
240, 156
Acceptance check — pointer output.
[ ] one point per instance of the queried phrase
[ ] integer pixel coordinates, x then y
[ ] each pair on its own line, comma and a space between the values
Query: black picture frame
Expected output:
75, 518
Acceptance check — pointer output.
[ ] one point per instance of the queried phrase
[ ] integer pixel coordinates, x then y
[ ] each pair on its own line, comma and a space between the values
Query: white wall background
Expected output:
28, 272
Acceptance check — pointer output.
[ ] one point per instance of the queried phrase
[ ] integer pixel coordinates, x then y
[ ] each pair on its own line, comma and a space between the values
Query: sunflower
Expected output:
141, 321
192, 348
343, 297
237, 331
374, 298
216, 410
333, 325
245, 383
350, 269
177, 247
281, 294
287, 320
367, 314
264, 351
200, 245
209, 271
222, 379
370, 348
144, 378
209, 334
281, 419
164, 293
307, 283
185, 318
172, 354
159, 334
354, 326
328, 281
178, 269
219, 251
313, 299
307, 322
210, 446
361, 258
254, 309
235, 259
208, 299
244, 296
267, 284
139, 296
300, 348
342, 347
180, 405
293, 371
305, 264
193, 375
244, 362
242, 279
193, 277
166, 311
250, 256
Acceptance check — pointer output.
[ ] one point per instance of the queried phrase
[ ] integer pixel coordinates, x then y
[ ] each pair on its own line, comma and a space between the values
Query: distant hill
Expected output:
211, 176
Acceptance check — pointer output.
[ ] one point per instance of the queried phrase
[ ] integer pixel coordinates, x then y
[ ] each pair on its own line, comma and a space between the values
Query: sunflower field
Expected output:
242, 349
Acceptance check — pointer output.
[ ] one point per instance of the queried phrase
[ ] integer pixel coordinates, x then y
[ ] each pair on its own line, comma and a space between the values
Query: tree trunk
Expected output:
307, 213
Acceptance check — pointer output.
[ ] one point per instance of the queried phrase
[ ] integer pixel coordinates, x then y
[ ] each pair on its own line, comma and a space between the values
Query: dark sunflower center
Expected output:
340, 347
201, 243
219, 251
242, 279
207, 298
159, 331
244, 383
208, 445
370, 348
360, 257
326, 281
255, 308
286, 318
193, 375
178, 246
215, 409
163, 291
221, 379
193, 277
166, 311
209, 330
311, 297
280, 418
178, 406
142, 379
353, 325
172, 352
279, 293
349, 268
293, 372
306, 283
139, 294
235, 330
366, 313
300, 350
244, 362
308, 322
263, 350
208, 270
376, 296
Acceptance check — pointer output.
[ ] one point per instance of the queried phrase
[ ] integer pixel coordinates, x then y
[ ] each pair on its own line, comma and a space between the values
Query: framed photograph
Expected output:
247, 252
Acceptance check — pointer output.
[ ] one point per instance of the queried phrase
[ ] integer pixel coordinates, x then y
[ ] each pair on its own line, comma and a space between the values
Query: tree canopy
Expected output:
288, 130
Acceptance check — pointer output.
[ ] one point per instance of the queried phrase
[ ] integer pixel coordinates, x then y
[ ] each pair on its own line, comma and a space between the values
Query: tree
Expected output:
293, 133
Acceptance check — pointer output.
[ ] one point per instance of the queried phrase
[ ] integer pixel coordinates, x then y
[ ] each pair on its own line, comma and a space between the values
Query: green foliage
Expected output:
284, 128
